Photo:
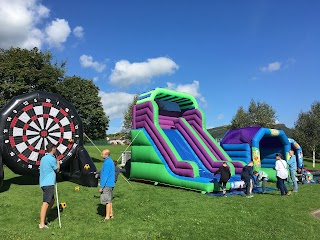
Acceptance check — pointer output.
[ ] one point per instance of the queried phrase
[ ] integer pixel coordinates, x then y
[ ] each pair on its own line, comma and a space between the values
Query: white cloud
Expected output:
115, 103
220, 116
126, 73
21, 25
18, 21
78, 31
271, 67
192, 88
57, 32
95, 79
86, 61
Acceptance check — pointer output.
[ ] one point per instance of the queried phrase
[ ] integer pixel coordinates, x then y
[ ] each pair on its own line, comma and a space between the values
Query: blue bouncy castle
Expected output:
257, 144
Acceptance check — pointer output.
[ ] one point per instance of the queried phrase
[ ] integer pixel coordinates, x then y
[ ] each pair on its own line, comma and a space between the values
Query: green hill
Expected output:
219, 132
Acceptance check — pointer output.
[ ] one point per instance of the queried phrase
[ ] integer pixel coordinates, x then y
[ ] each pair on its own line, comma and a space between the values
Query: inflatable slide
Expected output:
172, 146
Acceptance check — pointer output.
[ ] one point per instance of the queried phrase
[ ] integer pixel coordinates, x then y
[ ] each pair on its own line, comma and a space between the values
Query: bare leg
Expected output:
108, 210
111, 211
251, 185
43, 213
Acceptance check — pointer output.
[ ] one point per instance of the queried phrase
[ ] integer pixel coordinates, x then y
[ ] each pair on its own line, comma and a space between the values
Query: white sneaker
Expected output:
44, 226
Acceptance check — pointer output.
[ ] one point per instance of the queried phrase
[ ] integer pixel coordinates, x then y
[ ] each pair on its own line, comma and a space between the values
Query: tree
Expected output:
23, 71
127, 117
307, 130
258, 114
240, 120
84, 95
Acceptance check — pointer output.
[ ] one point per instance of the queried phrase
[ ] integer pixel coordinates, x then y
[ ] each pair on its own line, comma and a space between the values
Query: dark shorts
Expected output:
106, 195
48, 193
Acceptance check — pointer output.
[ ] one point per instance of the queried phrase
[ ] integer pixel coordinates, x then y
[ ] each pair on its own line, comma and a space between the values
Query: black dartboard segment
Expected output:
32, 122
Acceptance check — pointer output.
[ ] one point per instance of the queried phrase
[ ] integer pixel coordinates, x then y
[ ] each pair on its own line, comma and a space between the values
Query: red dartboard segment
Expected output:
63, 112
13, 122
45, 104
27, 108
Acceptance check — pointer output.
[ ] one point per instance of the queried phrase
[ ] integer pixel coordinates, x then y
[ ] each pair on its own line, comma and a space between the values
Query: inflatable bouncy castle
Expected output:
29, 122
171, 144
257, 144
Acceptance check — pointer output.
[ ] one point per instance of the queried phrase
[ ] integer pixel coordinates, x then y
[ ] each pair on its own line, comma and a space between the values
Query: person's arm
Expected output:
103, 177
58, 166
217, 170
277, 165
55, 164
290, 161
251, 172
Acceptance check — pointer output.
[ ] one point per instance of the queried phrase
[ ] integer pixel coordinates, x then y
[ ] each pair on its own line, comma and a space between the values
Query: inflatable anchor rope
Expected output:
91, 142
120, 155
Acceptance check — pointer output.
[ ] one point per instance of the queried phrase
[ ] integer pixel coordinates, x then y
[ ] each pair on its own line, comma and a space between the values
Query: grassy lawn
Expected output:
144, 211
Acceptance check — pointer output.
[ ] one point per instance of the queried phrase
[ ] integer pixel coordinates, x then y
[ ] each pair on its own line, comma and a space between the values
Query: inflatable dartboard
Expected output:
29, 122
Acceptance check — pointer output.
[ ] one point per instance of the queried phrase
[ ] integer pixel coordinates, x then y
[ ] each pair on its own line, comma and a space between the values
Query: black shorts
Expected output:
48, 193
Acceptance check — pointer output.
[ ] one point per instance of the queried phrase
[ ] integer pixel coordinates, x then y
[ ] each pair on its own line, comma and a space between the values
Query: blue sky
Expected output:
225, 53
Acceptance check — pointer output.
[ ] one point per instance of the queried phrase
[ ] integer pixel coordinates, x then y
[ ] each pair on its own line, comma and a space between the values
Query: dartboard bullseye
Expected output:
34, 120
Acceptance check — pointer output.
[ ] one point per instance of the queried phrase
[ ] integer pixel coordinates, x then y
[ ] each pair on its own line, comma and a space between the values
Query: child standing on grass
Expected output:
261, 176
224, 176
246, 176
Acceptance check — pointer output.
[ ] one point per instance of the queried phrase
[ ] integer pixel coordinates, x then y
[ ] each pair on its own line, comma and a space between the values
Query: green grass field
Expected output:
145, 211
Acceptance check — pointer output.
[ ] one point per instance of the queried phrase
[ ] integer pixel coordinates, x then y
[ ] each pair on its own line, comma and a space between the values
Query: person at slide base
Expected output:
261, 176
224, 176
246, 176
49, 166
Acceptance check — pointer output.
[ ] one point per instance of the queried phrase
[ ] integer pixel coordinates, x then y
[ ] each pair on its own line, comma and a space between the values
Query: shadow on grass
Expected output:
101, 210
20, 180
53, 214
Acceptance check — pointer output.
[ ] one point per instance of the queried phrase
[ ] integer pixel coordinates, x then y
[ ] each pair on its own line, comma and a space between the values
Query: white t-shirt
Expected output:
281, 168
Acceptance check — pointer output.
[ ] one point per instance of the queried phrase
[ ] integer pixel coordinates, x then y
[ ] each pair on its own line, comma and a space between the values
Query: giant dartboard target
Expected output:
33, 120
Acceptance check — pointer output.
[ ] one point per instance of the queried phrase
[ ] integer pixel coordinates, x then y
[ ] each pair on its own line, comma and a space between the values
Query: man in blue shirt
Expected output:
292, 162
107, 180
49, 166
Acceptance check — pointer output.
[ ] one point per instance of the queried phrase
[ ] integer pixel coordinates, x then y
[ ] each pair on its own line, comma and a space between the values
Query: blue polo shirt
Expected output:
292, 162
48, 165
107, 174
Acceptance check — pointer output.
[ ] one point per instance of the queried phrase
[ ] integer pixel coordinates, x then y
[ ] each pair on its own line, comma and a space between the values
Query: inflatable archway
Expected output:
171, 144
257, 144
30, 121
